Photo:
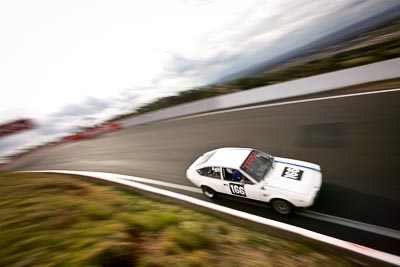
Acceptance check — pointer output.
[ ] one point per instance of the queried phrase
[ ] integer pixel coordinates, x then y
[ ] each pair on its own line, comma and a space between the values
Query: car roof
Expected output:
231, 157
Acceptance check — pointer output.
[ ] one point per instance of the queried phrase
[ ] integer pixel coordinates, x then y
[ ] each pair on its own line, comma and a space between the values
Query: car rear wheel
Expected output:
282, 206
209, 192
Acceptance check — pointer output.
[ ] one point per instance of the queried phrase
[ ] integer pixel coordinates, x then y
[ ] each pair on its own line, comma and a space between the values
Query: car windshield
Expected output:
257, 164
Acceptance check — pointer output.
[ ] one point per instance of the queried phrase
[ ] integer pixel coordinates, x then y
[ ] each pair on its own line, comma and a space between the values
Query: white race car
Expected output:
249, 173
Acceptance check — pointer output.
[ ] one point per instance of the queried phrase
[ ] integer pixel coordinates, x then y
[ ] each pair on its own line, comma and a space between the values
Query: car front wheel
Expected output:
209, 192
282, 206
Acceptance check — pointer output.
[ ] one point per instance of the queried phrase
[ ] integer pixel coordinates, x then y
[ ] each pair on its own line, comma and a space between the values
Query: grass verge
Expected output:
55, 220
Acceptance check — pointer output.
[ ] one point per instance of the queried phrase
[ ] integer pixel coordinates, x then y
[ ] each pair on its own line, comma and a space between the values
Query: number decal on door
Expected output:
237, 190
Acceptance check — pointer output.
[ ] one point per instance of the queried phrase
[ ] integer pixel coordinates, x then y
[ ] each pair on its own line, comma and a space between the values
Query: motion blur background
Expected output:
107, 86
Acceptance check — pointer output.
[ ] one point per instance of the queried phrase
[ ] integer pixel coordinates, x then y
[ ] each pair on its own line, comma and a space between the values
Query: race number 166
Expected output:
237, 189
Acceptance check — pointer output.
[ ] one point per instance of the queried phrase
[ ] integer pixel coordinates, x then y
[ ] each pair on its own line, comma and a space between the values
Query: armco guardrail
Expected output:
320, 83
292, 232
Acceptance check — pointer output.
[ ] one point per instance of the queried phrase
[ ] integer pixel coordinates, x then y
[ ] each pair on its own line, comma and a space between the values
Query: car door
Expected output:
246, 188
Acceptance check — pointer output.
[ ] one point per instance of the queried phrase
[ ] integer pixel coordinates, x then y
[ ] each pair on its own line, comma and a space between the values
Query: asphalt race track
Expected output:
355, 139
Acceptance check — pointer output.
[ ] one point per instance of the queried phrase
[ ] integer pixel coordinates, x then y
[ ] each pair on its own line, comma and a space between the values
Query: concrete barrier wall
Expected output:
320, 83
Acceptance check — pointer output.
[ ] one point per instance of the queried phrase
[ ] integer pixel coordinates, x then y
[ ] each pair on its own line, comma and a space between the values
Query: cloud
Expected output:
6, 143
180, 65
258, 35
221, 40
266, 38
90, 106
201, 69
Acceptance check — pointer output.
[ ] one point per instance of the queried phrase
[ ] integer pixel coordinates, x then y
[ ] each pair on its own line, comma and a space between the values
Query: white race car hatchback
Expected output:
249, 173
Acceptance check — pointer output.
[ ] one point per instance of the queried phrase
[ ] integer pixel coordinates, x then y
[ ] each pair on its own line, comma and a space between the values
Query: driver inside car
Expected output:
236, 175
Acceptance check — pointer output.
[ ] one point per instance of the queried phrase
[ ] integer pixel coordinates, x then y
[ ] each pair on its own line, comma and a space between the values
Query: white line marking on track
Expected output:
170, 185
350, 223
282, 104
117, 178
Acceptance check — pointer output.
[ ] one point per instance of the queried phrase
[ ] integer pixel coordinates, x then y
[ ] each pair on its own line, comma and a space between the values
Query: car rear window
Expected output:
205, 158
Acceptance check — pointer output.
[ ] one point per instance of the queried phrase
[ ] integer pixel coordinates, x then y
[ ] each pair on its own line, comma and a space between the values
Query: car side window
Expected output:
212, 172
234, 176
230, 174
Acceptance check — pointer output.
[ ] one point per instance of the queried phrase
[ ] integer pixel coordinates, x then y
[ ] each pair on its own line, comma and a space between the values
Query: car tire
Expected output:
209, 192
282, 206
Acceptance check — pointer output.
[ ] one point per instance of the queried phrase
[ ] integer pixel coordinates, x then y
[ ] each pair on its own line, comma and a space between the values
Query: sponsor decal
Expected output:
237, 189
249, 160
302, 166
292, 173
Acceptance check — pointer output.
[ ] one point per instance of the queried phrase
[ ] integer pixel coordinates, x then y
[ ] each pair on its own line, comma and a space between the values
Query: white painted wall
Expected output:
320, 83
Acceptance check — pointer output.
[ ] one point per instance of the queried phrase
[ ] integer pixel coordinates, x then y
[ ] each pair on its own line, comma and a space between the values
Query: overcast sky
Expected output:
67, 63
